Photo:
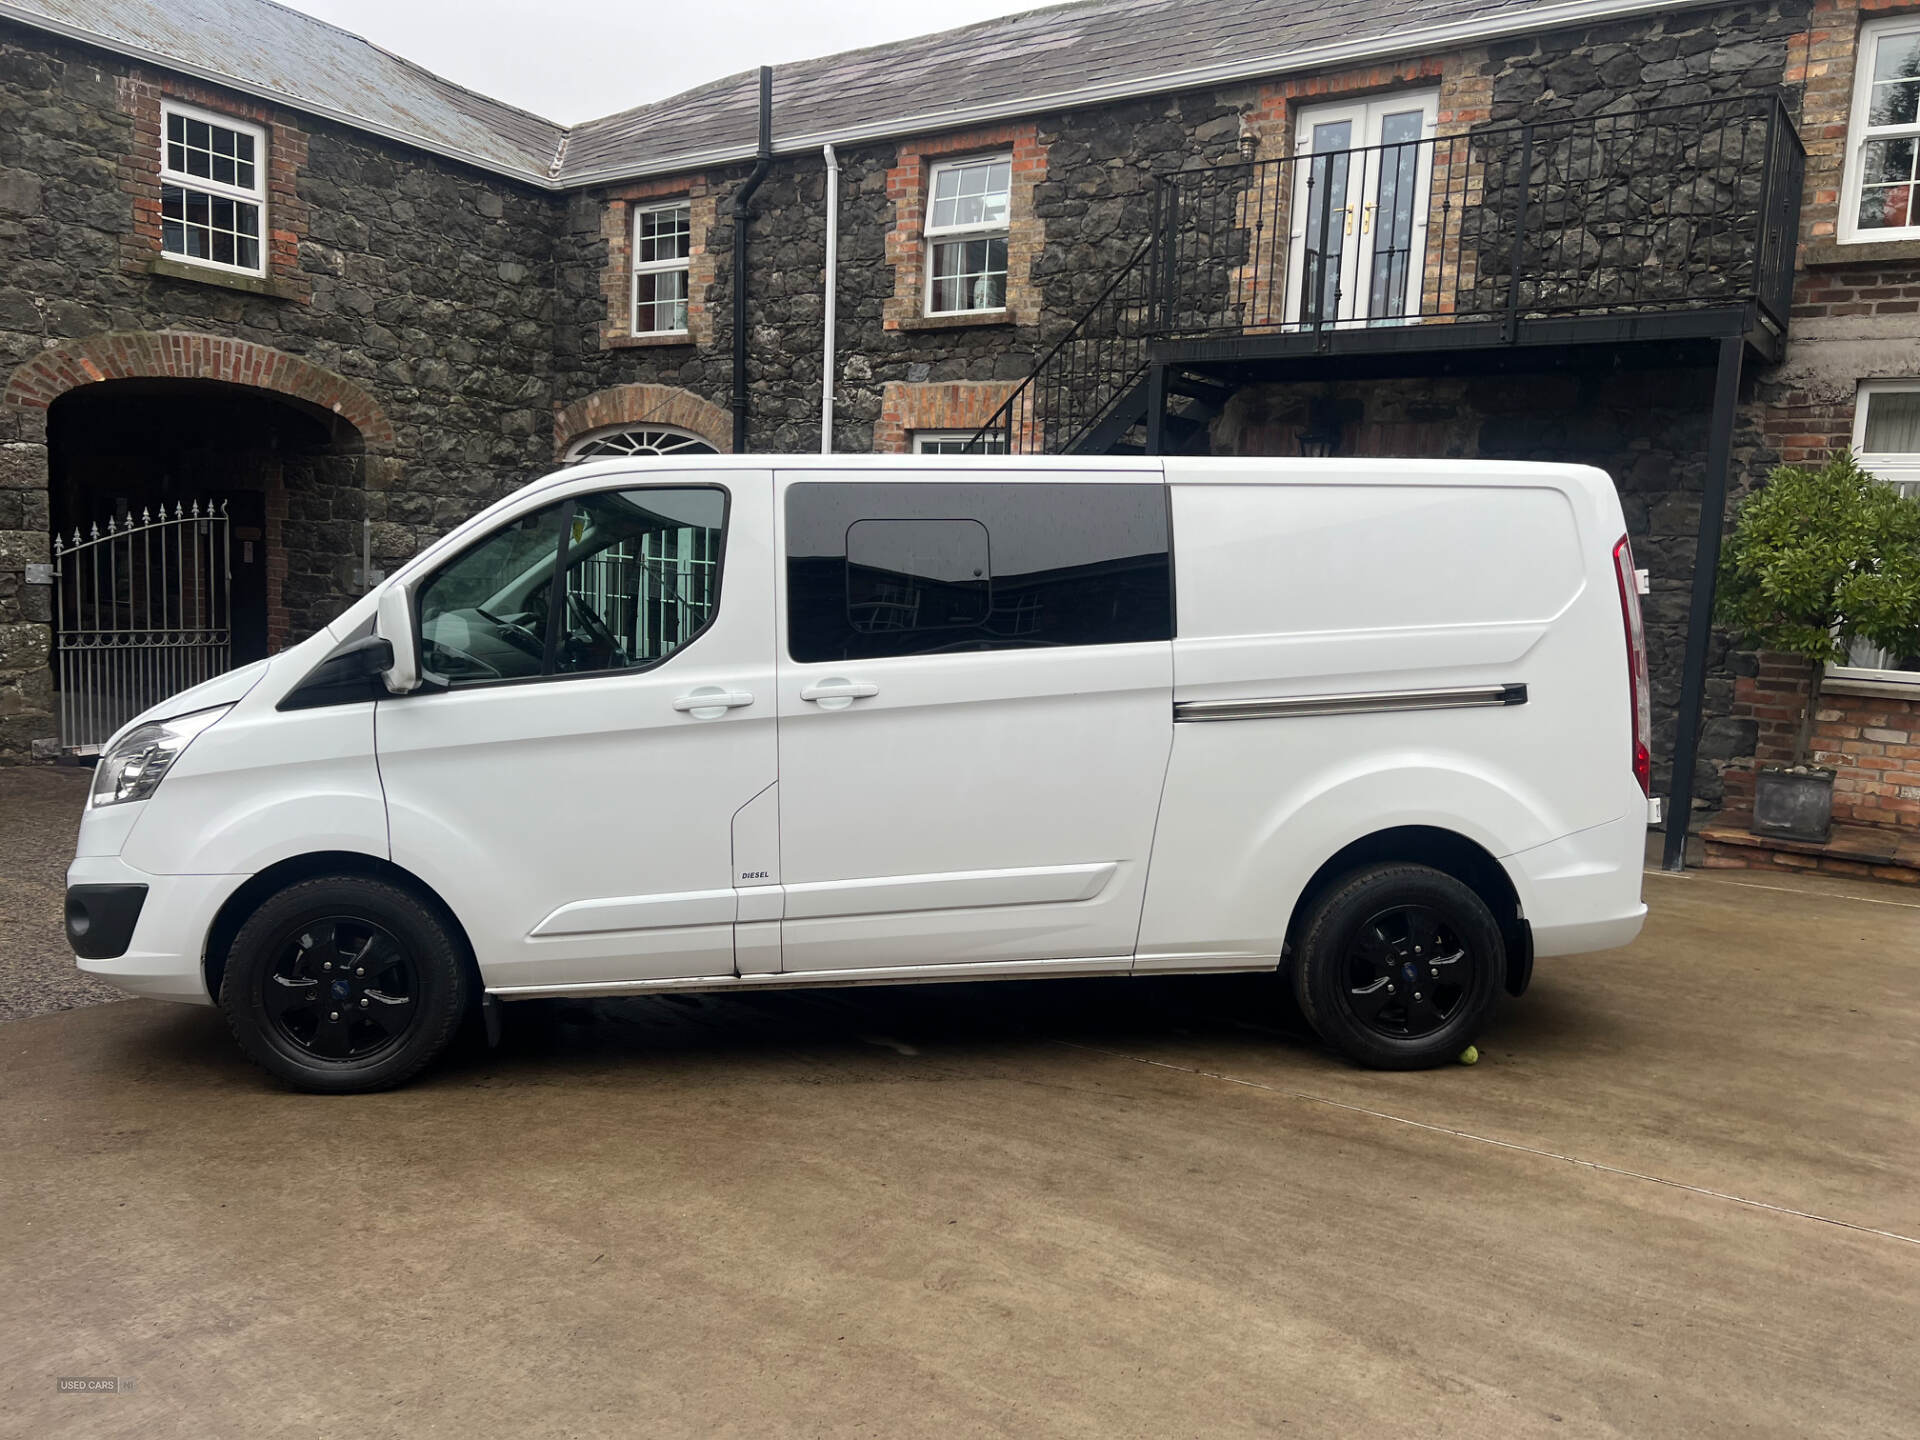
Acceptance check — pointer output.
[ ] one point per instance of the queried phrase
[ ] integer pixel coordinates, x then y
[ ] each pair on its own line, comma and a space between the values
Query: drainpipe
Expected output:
742, 213
831, 315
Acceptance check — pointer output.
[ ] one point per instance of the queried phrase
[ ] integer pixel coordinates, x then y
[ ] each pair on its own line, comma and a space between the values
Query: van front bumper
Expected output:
165, 942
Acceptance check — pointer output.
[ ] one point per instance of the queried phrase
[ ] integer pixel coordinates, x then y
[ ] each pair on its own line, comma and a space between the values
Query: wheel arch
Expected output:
276, 877
1444, 850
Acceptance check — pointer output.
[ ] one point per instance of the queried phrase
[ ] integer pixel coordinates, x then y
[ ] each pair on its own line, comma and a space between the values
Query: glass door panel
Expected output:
1360, 197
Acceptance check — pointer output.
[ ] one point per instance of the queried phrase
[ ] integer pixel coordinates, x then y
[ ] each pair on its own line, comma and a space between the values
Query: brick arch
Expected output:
187, 355
644, 405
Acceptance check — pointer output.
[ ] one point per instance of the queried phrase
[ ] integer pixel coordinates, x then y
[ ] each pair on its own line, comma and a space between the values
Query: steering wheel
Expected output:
585, 618
514, 633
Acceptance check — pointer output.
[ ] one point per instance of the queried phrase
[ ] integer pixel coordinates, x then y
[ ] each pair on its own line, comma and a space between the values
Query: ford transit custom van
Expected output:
657, 726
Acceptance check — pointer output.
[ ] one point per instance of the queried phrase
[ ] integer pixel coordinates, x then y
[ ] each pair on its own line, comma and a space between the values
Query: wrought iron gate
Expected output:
142, 610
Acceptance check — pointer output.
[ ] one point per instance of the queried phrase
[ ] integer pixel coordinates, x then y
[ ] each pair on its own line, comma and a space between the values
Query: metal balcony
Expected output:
1672, 223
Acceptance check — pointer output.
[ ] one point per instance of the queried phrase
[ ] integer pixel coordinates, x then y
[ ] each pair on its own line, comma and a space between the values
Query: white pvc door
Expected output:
975, 687
1359, 211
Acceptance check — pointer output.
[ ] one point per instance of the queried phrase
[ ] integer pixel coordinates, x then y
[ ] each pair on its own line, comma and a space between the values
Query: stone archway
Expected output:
189, 355
664, 405
305, 549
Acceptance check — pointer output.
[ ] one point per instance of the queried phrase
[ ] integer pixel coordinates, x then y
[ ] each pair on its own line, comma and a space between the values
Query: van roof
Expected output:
1175, 468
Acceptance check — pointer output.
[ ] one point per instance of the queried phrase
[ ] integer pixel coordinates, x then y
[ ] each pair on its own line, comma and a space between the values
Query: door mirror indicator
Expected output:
393, 623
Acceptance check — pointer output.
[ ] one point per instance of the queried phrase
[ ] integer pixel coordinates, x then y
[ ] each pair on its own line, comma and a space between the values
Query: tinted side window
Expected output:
919, 568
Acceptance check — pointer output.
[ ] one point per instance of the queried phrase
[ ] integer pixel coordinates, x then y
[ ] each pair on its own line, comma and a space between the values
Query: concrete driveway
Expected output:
1679, 1195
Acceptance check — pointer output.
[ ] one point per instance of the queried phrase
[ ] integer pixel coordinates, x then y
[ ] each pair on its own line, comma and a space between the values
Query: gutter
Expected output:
1433, 38
742, 207
830, 317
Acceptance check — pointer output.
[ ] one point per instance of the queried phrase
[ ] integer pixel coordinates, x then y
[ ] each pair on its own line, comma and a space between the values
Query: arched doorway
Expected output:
198, 526
207, 498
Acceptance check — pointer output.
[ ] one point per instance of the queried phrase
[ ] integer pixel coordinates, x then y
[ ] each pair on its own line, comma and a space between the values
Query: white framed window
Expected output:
1886, 442
662, 256
959, 442
968, 205
1881, 197
213, 190
638, 440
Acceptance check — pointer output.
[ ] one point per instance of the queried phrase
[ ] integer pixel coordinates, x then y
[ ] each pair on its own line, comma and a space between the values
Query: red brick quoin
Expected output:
185, 355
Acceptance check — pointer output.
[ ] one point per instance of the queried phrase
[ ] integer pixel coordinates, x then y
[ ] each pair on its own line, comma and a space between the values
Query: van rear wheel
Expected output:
1398, 967
344, 983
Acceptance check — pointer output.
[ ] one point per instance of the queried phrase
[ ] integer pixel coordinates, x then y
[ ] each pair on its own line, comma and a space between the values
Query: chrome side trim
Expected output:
1362, 704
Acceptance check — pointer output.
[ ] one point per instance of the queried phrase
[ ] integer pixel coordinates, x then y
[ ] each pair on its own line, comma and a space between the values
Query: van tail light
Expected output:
1639, 694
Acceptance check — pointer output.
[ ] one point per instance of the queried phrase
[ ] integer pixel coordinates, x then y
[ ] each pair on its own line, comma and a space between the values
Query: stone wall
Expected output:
1089, 189
419, 282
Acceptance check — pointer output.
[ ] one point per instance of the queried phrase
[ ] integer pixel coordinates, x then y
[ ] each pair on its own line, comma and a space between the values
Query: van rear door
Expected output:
975, 687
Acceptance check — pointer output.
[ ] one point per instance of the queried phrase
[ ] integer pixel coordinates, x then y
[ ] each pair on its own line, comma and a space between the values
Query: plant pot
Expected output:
1795, 804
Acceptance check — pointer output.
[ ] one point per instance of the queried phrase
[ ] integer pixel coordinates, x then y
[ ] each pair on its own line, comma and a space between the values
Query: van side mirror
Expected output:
393, 623
352, 673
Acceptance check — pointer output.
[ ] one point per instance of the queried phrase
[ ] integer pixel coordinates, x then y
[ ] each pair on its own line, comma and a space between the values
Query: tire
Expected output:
343, 984
1399, 967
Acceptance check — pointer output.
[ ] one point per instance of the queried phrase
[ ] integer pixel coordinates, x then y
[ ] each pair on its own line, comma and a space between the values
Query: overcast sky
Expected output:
574, 59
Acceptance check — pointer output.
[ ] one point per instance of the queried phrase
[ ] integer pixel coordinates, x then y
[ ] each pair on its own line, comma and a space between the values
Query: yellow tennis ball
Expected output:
1470, 1055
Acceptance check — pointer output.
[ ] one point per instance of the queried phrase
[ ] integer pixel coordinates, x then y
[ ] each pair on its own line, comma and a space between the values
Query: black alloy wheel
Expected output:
346, 983
1408, 973
1398, 966
342, 988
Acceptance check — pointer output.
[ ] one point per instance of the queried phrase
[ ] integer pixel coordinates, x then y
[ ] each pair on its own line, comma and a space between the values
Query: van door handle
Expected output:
838, 694
710, 702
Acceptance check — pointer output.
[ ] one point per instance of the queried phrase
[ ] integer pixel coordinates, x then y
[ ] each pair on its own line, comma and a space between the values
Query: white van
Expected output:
755, 722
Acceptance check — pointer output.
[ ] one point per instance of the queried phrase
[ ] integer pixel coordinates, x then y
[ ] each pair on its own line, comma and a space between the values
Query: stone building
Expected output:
253, 263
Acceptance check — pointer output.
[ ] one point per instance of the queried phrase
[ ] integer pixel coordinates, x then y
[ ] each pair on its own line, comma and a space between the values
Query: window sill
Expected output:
1887, 689
224, 279
1831, 253
648, 342
964, 320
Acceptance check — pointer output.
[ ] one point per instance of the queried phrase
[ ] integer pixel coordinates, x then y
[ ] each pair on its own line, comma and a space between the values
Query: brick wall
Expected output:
1829, 293
1870, 740
140, 95
907, 187
616, 279
906, 408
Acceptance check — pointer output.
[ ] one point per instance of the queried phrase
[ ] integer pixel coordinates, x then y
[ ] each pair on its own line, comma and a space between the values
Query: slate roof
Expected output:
267, 49
1022, 64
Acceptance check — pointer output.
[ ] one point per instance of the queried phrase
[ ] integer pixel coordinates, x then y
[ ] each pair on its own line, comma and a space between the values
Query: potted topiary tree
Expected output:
1817, 558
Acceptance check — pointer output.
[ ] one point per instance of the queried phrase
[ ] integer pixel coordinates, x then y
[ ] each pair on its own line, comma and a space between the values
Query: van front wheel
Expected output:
1398, 966
344, 983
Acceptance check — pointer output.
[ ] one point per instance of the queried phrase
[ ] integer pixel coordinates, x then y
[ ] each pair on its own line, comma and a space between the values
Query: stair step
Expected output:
1200, 388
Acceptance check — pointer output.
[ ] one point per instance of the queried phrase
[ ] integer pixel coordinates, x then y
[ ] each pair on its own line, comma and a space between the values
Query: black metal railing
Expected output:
1679, 207
1095, 366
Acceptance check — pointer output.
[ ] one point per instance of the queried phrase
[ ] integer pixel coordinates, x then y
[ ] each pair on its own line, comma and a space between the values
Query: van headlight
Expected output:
140, 759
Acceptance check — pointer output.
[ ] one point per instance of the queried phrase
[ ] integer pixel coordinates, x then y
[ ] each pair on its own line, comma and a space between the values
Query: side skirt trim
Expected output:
836, 979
